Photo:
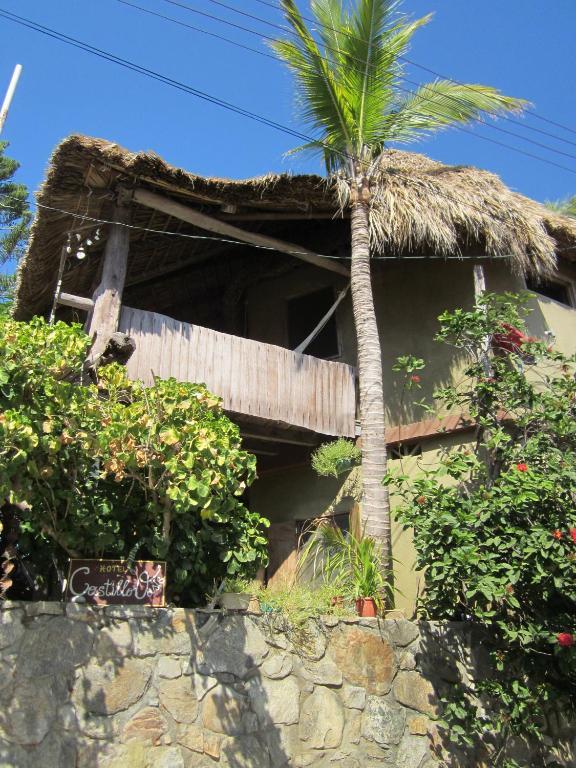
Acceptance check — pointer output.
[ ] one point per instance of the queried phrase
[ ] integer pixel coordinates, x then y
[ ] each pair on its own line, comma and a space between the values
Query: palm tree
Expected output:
566, 207
348, 81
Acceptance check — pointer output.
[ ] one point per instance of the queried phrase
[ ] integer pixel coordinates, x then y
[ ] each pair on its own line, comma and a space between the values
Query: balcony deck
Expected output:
257, 380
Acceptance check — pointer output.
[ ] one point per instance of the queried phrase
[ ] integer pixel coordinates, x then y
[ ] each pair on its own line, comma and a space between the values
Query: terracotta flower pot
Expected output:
366, 606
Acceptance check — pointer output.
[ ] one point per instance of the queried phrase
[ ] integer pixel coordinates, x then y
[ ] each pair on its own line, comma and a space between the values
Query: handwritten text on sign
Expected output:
112, 582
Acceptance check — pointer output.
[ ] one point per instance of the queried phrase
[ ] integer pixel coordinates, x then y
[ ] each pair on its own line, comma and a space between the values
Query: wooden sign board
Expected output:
112, 582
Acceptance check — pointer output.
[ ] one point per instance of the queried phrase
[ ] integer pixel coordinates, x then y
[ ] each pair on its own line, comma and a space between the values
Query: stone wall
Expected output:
161, 688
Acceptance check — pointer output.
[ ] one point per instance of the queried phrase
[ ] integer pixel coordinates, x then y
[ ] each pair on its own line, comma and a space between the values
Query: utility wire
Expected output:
453, 99
532, 112
95, 221
192, 91
199, 29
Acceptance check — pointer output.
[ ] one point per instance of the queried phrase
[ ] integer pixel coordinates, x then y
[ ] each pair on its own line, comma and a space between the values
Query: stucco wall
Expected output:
159, 688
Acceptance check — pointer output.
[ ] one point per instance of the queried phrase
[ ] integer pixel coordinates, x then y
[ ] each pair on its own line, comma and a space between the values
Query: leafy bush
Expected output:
336, 457
495, 522
120, 468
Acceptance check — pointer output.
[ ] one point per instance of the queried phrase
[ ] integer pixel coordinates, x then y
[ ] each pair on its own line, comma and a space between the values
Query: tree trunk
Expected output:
375, 503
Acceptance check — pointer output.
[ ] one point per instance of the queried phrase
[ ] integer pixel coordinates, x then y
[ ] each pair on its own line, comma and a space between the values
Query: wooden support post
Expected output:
107, 298
479, 291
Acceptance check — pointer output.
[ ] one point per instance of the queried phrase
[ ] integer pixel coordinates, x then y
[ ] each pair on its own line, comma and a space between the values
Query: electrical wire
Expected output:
188, 89
361, 63
532, 112
74, 42
226, 240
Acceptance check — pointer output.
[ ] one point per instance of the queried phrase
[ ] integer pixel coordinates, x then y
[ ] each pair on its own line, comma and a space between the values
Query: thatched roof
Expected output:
420, 205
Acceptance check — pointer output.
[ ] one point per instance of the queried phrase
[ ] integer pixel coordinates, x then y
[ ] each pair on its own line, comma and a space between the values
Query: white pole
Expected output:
9, 94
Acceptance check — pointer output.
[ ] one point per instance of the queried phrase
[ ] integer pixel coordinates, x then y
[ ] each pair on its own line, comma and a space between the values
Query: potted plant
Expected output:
353, 566
238, 594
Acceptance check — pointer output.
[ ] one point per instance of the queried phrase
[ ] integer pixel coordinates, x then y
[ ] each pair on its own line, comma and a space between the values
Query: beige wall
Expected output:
409, 298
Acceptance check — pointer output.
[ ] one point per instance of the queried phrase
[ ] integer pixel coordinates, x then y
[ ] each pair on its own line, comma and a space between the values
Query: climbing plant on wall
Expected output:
495, 523
118, 468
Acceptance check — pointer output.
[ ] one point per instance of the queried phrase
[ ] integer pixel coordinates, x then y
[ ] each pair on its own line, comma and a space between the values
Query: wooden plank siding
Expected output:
253, 379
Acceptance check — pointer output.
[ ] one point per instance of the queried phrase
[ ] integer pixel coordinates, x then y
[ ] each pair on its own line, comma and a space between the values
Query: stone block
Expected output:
365, 659
115, 641
244, 752
178, 697
353, 697
412, 751
191, 737
11, 628
169, 667
407, 661
323, 672
43, 608
226, 711
383, 722
109, 688
402, 632
418, 726
203, 684
236, 646
275, 702
32, 711
165, 757
414, 691
322, 720
54, 645
147, 726
278, 666
212, 745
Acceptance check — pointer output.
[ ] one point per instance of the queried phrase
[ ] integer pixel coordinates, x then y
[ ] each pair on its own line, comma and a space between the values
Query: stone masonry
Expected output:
173, 688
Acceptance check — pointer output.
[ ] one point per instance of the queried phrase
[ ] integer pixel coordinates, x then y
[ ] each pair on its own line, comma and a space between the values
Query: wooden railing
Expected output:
253, 379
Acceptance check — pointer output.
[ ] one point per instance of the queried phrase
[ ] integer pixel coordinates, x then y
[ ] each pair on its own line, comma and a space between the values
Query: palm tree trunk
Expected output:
375, 502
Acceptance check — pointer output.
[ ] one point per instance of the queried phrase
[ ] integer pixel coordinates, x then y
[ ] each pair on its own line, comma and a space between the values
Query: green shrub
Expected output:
495, 522
336, 457
122, 468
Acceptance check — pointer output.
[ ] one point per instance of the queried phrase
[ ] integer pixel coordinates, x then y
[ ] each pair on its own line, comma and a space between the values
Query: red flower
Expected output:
565, 639
421, 500
557, 534
572, 533
522, 467
415, 378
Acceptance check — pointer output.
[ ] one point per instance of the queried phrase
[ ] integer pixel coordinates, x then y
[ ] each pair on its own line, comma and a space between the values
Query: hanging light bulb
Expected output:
81, 253
88, 243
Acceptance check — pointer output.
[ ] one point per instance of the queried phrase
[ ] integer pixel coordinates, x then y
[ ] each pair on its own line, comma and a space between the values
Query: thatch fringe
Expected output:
418, 205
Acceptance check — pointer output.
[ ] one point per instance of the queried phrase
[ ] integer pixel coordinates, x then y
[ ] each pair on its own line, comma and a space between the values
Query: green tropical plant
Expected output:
348, 79
495, 525
334, 458
566, 207
15, 213
119, 469
352, 567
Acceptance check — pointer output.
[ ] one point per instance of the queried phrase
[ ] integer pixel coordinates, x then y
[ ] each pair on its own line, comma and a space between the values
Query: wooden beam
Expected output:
77, 302
107, 298
282, 216
210, 224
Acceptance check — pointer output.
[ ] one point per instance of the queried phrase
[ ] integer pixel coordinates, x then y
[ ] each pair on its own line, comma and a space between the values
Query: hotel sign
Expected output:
113, 582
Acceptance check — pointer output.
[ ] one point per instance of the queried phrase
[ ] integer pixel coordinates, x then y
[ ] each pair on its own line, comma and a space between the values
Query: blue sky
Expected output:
523, 47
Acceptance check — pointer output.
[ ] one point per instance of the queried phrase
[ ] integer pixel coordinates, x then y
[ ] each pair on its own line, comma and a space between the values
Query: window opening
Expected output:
552, 289
304, 314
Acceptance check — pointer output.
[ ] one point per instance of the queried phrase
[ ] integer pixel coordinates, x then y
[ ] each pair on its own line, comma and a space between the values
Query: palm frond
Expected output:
444, 103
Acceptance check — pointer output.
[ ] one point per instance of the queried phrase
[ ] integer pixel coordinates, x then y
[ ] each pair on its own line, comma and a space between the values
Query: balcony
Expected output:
255, 380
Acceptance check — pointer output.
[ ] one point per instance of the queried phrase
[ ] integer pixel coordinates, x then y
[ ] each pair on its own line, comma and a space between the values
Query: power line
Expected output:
191, 91
532, 112
95, 220
198, 29
363, 63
